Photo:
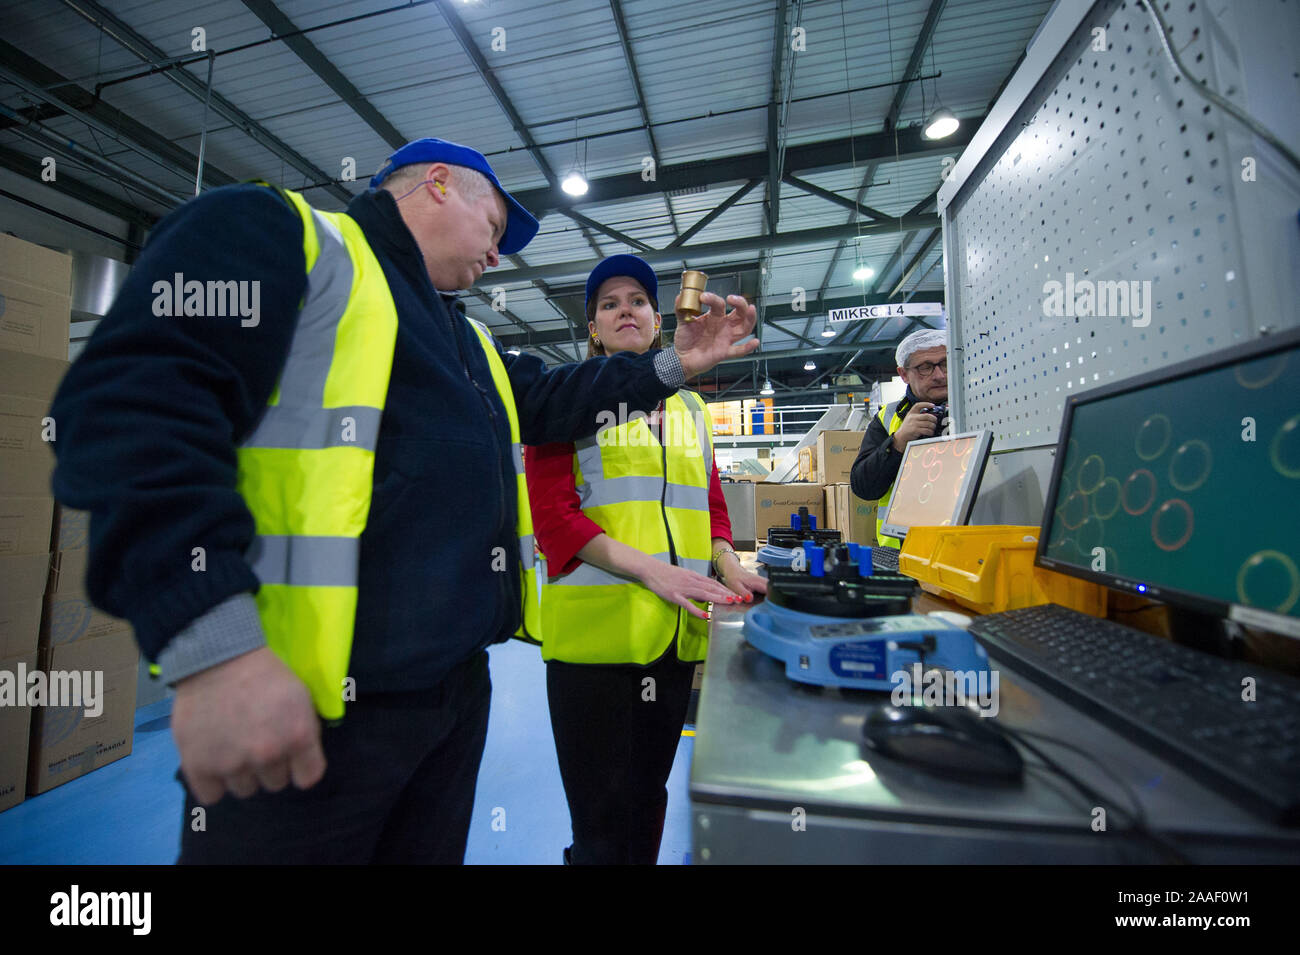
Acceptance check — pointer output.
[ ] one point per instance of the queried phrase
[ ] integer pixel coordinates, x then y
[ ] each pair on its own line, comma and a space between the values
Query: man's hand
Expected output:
246, 724
917, 424
702, 343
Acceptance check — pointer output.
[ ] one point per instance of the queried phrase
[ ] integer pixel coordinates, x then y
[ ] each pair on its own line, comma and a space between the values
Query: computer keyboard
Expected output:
1181, 703
884, 558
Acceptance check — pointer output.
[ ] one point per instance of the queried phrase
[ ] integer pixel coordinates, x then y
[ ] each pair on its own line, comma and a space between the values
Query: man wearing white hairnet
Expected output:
922, 412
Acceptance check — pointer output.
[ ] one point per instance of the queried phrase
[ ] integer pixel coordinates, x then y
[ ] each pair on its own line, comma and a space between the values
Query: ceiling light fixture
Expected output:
809, 366
575, 183
863, 272
828, 333
942, 123
767, 388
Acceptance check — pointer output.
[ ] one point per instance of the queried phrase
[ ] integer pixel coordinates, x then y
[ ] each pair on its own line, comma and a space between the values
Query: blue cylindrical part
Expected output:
807, 549
812, 519
794, 522
853, 551
864, 562
817, 562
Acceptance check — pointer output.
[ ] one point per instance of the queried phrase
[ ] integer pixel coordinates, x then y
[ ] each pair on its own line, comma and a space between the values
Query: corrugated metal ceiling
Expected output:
705, 71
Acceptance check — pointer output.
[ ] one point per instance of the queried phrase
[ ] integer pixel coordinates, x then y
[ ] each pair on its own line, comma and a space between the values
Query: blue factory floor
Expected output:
129, 812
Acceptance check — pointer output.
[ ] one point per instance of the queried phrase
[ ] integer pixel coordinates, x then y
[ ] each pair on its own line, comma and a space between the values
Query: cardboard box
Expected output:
830, 501
861, 520
808, 464
31, 376
20, 626
35, 298
69, 616
67, 743
26, 460
15, 730
836, 452
849, 514
23, 577
774, 503
22, 591
71, 529
25, 524
27, 387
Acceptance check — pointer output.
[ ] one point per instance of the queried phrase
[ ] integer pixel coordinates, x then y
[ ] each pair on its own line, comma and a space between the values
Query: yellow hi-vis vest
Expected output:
307, 470
892, 422
651, 496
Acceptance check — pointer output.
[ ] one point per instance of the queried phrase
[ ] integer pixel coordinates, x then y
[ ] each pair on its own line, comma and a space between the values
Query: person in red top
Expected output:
615, 741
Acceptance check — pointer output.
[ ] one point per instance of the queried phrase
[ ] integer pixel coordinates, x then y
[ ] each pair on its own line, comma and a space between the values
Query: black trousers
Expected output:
616, 736
398, 787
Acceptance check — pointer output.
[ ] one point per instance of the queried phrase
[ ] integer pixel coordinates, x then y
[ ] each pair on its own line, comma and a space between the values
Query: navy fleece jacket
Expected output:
150, 415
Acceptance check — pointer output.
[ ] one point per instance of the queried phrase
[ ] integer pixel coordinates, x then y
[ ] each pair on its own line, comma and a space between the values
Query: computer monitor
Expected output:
937, 482
1184, 485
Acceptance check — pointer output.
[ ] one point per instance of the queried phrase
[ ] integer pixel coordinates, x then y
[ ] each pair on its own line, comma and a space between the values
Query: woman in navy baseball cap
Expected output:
632, 522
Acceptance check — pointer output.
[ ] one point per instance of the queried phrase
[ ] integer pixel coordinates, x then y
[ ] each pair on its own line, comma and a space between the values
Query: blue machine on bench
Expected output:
836, 621
862, 654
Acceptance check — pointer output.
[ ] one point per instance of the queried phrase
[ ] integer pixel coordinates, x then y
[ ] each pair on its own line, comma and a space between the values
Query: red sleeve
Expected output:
558, 522
719, 520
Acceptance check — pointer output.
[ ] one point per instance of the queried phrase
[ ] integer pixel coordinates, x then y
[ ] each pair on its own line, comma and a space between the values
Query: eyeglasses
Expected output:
926, 368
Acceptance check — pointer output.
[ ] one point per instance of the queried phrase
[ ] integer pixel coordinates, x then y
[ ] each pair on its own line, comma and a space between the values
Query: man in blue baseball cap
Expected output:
429, 156
313, 511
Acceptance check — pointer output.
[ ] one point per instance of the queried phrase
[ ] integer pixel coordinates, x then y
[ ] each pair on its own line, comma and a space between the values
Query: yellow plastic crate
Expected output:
989, 569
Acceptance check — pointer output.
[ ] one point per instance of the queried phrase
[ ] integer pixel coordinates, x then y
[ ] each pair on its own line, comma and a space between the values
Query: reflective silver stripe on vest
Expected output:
703, 426
526, 551
589, 462
598, 491
315, 428
517, 457
687, 498
697, 564
589, 575
299, 420
305, 561
603, 492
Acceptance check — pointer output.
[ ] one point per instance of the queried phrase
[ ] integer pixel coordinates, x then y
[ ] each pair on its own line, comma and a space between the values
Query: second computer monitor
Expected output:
937, 482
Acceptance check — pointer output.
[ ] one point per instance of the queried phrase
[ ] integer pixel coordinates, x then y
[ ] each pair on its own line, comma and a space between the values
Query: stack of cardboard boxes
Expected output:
76, 638
828, 497
35, 311
35, 317
774, 503
832, 463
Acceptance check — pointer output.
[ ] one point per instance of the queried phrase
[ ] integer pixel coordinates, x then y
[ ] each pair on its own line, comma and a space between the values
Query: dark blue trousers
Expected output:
398, 787
616, 749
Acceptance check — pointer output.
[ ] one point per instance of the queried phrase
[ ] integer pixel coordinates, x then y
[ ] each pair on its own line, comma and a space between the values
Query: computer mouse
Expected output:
946, 740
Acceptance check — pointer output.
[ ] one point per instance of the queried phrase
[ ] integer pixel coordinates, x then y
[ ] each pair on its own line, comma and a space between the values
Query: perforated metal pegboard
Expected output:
1114, 171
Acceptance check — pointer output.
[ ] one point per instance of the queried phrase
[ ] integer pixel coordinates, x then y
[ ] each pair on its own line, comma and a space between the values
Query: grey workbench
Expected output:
767, 747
